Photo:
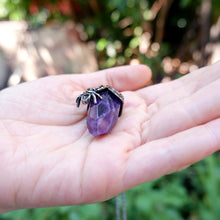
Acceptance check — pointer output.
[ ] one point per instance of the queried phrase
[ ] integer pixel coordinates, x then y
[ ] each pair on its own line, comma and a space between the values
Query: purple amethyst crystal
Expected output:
103, 115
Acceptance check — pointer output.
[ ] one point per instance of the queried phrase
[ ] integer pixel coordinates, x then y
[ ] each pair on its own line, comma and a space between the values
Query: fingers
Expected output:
199, 108
152, 93
51, 100
160, 157
190, 84
121, 78
166, 93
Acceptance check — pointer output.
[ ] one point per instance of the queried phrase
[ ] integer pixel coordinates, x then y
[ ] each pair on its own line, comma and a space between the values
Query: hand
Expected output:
48, 158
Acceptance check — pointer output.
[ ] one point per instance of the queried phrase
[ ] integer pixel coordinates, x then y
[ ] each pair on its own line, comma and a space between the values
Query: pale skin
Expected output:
48, 157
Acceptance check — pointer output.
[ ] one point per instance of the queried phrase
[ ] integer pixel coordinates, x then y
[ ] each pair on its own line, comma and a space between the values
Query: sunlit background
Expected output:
49, 37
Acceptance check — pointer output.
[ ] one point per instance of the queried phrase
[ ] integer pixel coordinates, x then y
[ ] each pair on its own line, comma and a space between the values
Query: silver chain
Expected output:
117, 207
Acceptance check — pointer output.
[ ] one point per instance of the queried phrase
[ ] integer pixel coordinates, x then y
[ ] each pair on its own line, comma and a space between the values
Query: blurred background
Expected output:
49, 37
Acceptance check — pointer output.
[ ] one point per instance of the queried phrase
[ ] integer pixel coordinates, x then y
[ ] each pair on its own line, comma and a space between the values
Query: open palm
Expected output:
48, 157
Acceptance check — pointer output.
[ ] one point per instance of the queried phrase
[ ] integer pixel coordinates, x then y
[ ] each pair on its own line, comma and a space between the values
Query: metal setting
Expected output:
91, 95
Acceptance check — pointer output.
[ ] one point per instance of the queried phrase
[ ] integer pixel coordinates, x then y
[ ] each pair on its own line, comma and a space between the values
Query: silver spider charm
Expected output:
91, 95
88, 96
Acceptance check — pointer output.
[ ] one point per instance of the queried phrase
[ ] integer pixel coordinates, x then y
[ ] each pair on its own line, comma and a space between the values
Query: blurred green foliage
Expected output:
117, 27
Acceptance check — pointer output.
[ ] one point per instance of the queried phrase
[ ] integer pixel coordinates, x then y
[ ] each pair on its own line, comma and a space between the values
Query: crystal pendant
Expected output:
104, 106
103, 115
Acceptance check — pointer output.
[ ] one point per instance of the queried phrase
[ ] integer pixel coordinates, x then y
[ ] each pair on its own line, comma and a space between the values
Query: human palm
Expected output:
48, 157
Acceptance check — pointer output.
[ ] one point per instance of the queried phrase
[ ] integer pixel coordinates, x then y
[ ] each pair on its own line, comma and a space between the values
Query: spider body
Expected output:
88, 96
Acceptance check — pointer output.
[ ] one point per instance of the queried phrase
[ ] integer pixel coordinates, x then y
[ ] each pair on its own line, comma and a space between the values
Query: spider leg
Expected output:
94, 98
98, 95
88, 105
78, 101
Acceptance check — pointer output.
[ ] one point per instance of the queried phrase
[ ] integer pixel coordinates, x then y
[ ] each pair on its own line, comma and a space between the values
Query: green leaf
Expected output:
101, 44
